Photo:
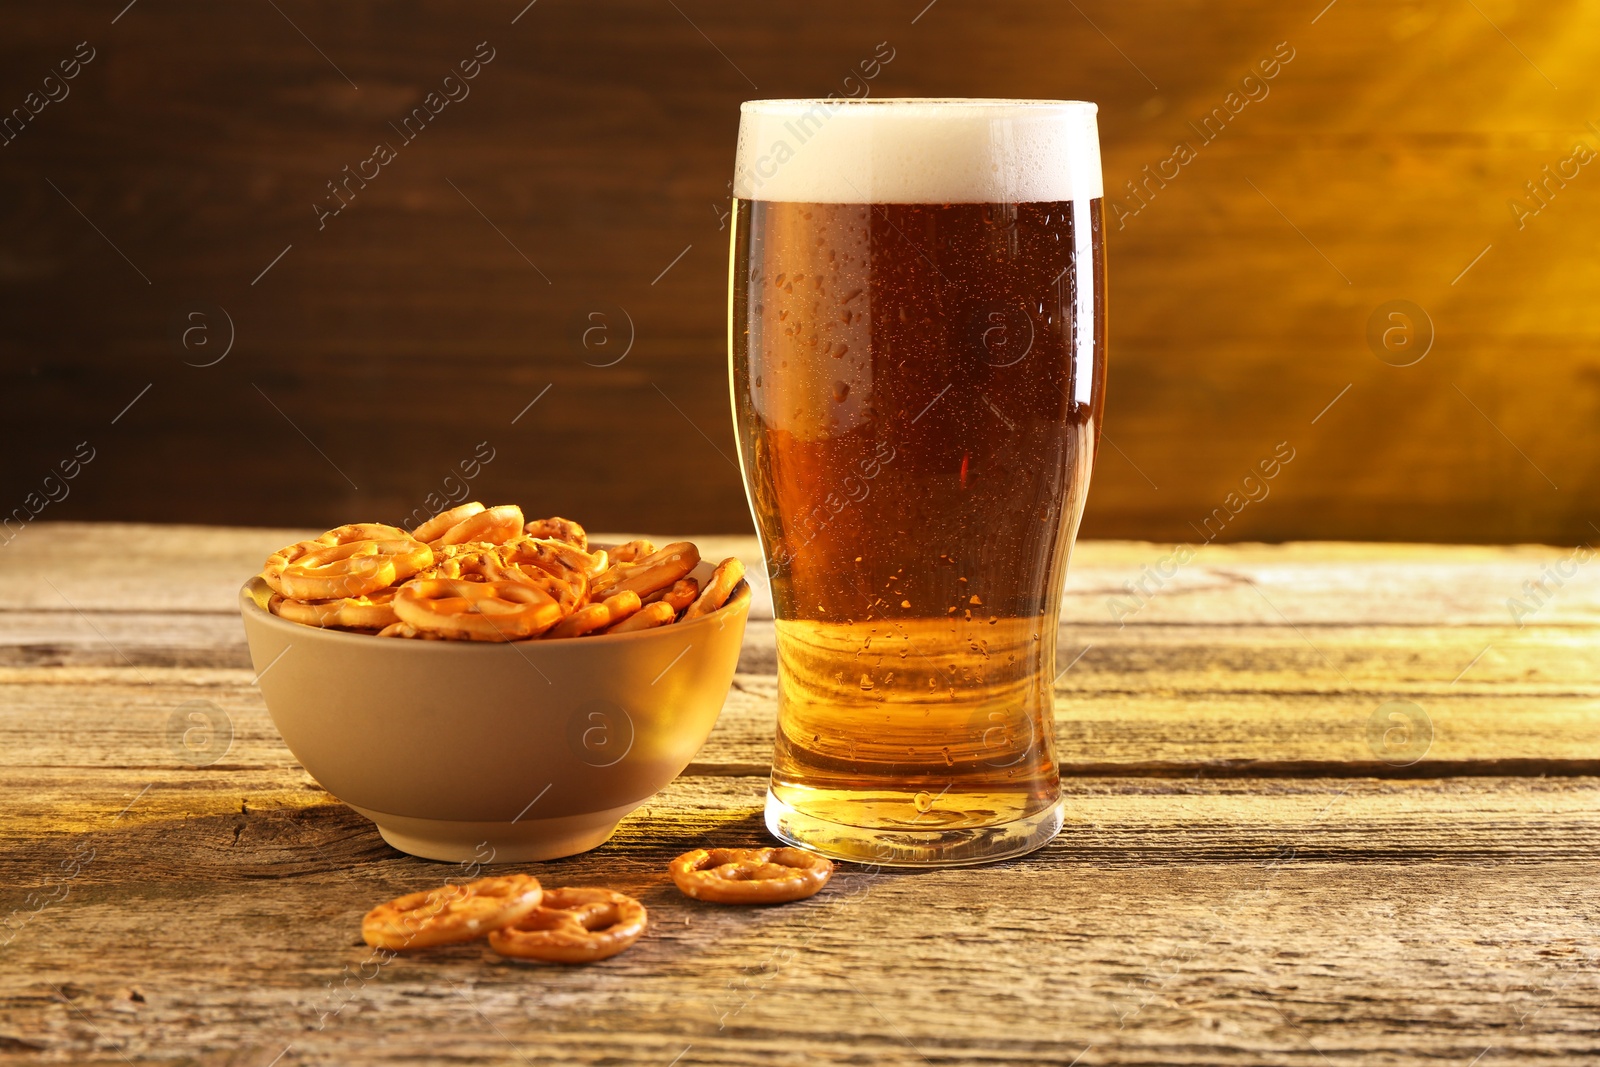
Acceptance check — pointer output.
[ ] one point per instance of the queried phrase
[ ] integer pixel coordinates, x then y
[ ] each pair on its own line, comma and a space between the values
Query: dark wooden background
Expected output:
377, 352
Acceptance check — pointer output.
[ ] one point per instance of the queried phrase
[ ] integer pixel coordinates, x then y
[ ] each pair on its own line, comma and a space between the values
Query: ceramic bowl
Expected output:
532, 749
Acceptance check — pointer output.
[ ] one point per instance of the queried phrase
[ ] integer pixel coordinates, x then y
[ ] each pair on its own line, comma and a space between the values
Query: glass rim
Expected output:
1019, 104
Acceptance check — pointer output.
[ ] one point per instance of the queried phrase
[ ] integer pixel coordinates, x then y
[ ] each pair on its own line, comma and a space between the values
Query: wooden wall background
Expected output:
594, 152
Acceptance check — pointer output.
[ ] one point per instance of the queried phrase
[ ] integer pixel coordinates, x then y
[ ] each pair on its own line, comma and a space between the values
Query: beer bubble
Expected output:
1399, 332
1005, 332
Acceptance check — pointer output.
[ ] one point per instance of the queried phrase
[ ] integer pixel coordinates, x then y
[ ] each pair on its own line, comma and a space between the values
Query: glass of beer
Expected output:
917, 333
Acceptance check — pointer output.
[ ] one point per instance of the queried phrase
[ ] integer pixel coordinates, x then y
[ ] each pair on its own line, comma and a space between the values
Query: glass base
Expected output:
933, 847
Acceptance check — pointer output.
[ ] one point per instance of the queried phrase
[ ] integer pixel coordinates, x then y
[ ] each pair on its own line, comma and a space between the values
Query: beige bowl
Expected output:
534, 749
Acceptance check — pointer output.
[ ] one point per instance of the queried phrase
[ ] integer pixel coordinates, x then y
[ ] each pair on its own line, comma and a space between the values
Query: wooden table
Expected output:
1252, 871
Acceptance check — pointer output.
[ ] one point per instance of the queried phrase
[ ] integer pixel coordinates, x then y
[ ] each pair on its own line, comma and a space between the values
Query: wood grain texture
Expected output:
1242, 880
1160, 724
1184, 923
1381, 164
1252, 659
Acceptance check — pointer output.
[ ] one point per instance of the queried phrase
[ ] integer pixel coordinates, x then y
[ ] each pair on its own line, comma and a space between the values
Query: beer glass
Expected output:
917, 335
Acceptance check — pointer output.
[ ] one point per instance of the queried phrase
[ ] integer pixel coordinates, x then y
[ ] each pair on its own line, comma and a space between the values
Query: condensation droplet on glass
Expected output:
923, 802
866, 681
905, 603
840, 391
948, 760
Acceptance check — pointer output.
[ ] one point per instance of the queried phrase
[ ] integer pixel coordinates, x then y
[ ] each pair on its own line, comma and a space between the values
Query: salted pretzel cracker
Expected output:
556, 528
629, 551
317, 570
285, 556
440, 524
498, 524
592, 617
352, 577
363, 531
570, 593
658, 570
451, 913
646, 618
555, 557
372, 612
729, 573
472, 561
573, 926
483, 561
750, 875
680, 595
481, 611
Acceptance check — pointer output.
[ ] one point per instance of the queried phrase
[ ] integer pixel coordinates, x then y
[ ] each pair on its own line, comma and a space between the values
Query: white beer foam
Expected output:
897, 151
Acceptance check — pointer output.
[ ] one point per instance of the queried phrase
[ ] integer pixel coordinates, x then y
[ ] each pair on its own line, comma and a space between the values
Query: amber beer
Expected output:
917, 328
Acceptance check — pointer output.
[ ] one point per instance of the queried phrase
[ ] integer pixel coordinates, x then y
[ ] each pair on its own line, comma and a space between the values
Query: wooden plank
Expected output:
1261, 922
72, 716
148, 813
1208, 677
1133, 659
